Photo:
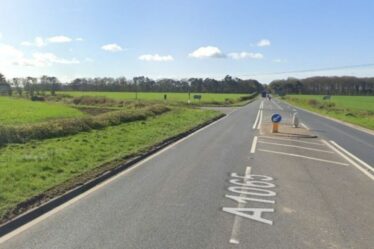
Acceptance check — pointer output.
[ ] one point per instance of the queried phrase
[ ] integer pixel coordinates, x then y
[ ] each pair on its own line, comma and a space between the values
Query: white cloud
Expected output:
38, 42
155, 57
207, 52
245, 55
88, 59
279, 60
59, 39
47, 59
113, 47
9, 55
41, 42
263, 43
79, 39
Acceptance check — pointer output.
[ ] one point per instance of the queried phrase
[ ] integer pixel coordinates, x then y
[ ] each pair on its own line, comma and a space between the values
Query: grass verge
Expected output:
49, 167
358, 110
16, 111
60, 128
206, 98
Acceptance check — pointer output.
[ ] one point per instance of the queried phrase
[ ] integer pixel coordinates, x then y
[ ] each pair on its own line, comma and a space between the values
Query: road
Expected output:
230, 185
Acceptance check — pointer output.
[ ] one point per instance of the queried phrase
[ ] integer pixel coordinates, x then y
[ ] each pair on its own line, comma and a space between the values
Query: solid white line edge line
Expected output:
352, 156
350, 160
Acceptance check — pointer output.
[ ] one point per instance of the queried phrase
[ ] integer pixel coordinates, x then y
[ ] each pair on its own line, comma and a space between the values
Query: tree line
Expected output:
346, 85
36, 86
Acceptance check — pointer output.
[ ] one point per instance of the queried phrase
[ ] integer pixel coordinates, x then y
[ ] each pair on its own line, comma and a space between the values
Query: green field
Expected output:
180, 97
32, 168
357, 110
14, 111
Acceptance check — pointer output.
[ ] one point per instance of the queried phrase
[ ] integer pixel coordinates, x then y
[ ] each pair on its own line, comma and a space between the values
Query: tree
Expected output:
5, 88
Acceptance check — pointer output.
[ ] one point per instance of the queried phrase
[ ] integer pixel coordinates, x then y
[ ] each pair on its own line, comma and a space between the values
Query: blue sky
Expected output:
178, 39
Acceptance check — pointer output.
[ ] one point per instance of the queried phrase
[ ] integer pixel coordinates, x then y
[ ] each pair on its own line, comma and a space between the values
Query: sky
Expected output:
264, 39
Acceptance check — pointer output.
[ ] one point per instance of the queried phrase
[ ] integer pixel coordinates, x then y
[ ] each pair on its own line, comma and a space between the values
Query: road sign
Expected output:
276, 118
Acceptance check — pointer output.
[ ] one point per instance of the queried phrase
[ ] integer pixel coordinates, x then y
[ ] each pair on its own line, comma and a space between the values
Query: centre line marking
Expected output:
260, 121
254, 143
236, 226
294, 140
306, 157
255, 124
350, 160
295, 146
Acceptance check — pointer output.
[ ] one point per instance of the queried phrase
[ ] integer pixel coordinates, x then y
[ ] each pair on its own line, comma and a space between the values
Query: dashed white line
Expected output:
287, 139
254, 143
295, 146
260, 121
257, 117
350, 160
234, 239
302, 156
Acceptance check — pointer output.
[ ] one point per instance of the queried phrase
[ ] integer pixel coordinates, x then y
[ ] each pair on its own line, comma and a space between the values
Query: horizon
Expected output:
261, 41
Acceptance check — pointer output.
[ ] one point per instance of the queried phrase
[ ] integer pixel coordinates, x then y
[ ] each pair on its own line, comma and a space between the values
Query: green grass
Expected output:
15, 111
357, 110
177, 97
29, 169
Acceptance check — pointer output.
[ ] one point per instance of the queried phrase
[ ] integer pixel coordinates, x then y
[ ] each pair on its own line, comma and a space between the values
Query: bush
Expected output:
249, 97
37, 98
60, 128
313, 102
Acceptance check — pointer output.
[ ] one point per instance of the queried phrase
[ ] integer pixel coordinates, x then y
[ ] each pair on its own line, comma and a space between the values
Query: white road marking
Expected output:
260, 121
81, 196
353, 156
281, 108
306, 157
304, 125
295, 146
287, 139
257, 117
236, 226
350, 160
254, 143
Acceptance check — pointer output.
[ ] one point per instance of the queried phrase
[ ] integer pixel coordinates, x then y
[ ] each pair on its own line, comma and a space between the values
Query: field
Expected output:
179, 97
15, 111
29, 169
357, 110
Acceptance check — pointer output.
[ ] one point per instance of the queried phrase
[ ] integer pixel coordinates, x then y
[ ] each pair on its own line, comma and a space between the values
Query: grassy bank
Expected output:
358, 110
27, 170
15, 111
66, 127
207, 98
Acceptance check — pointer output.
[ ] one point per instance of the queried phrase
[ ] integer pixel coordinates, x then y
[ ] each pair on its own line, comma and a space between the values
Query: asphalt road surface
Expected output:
233, 184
